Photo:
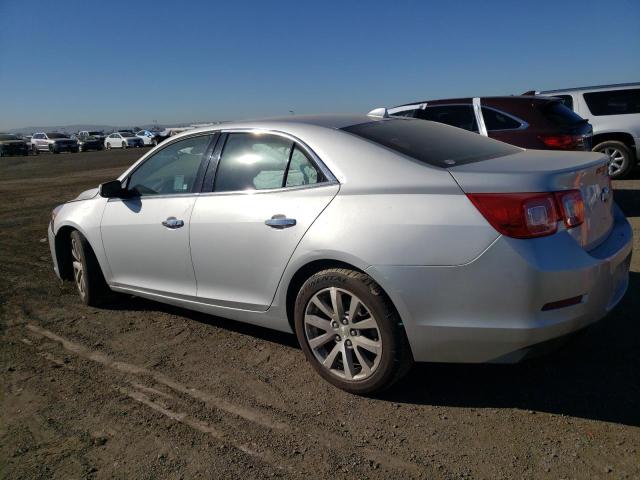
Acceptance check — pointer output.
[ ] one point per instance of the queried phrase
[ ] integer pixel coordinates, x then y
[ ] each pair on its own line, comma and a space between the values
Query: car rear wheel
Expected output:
620, 157
87, 275
350, 332
124, 144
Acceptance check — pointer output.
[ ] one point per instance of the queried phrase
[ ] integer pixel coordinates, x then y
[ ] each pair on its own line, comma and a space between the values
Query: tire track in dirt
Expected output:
326, 439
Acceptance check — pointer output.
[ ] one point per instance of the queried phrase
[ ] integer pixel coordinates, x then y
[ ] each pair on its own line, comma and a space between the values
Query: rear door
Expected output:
146, 236
268, 190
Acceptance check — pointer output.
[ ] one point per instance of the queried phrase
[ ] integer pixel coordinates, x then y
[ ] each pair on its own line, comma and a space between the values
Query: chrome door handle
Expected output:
280, 222
173, 222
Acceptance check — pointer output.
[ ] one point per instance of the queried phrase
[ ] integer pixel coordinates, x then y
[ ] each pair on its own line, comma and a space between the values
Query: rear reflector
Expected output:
567, 302
530, 215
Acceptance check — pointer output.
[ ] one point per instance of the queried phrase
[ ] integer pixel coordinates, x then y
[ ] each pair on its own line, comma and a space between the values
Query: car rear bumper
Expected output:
491, 309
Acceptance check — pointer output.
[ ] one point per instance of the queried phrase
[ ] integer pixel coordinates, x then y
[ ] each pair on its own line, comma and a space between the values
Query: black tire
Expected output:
124, 144
91, 285
396, 358
108, 146
154, 142
627, 161
35, 150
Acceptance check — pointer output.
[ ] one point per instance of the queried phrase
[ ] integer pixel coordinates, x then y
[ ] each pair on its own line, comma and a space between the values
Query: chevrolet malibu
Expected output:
378, 241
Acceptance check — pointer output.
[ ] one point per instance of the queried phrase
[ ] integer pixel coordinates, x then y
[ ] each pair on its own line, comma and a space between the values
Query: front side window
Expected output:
172, 170
461, 116
614, 102
495, 120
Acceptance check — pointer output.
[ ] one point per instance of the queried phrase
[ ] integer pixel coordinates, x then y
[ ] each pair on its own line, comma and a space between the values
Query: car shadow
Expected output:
595, 375
628, 200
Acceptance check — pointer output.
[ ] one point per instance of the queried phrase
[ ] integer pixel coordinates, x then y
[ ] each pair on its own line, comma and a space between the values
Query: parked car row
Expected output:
603, 119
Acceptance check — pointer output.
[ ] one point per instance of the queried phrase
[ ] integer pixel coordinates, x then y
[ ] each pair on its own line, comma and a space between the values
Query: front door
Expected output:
268, 191
146, 235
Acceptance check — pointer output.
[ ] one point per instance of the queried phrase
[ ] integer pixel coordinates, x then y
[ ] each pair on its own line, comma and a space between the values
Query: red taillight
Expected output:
530, 215
518, 215
562, 142
571, 207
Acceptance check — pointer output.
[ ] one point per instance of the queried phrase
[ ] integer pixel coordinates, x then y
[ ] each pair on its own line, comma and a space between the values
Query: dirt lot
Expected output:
143, 390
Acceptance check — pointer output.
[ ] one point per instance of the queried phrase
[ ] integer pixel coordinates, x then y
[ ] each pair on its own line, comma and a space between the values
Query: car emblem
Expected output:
605, 194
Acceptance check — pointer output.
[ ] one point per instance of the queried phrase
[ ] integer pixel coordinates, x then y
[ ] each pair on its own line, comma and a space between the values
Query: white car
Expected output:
122, 140
149, 138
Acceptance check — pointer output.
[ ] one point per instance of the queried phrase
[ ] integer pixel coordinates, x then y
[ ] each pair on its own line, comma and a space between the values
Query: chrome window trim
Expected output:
523, 124
477, 109
331, 179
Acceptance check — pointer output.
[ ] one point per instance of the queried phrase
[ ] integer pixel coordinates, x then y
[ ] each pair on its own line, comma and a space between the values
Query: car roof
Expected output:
469, 100
296, 122
594, 87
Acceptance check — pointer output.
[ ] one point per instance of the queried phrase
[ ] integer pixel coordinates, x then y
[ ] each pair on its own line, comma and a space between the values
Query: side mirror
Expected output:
112, 189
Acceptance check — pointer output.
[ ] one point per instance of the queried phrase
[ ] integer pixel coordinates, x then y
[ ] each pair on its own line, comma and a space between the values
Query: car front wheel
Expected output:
108, 146
620, 157
87, 275
350, 332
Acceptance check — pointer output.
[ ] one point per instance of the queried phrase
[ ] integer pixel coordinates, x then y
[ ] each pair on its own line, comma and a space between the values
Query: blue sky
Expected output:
126, 63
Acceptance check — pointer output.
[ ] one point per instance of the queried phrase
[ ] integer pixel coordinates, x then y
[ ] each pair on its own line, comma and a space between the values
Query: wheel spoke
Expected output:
321, 340
365, 324
364, 363
336, 303
331, 358
372, 345
318, 322
353, 308
347, 362
321, 305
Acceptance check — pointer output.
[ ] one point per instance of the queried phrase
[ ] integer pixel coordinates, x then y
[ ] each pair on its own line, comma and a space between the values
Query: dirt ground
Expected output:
143, 390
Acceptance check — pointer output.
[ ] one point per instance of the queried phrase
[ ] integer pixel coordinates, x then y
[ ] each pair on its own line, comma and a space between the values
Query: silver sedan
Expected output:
378, 241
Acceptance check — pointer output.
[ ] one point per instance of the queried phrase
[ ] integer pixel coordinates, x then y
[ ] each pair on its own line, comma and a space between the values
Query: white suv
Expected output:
614, 113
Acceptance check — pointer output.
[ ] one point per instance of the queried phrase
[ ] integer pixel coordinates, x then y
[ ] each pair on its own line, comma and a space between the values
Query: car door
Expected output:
146, 234
268, 190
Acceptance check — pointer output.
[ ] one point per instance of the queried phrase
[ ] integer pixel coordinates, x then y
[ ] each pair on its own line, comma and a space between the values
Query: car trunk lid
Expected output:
549, 171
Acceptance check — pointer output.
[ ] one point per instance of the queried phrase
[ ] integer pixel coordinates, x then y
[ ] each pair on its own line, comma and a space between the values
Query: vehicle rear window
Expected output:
430, 142
614, 102
559, 114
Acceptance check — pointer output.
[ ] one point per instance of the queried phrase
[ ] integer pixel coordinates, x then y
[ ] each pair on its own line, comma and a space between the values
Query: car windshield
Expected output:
127, 134
6, 136
430, 142
57, 135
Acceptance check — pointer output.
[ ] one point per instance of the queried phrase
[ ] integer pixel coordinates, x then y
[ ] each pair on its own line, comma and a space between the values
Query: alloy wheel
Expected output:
78, 269
616, 160
343, 334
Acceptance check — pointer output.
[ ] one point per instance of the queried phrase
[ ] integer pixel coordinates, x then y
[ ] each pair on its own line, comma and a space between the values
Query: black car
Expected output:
12, 145
88, 142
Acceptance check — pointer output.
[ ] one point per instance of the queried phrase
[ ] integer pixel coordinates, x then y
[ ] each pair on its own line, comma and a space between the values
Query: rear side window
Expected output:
614, 102
263, 162
495, 120
431, 143
461, 116
559, 114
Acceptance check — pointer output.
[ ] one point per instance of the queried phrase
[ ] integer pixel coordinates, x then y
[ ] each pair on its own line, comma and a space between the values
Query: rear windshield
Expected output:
57, 135
559, 114
614, 102
430, 142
